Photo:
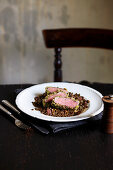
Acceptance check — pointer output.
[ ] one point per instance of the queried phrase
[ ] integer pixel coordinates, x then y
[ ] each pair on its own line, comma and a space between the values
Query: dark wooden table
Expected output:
84, 147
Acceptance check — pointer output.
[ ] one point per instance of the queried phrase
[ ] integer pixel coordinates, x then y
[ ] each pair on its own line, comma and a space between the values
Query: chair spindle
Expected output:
58, 65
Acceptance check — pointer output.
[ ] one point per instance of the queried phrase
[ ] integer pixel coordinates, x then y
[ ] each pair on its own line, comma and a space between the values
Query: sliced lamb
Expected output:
50, 97
55, 89
65, 103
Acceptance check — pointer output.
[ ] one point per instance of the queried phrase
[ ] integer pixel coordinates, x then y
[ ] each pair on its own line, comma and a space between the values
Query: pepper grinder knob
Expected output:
107, 119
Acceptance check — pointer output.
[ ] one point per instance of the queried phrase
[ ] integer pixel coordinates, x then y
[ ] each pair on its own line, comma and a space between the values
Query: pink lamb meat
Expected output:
54, 89
68, 102
52, 96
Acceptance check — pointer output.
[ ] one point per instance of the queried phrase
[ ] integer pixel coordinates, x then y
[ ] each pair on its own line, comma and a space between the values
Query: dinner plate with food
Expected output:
60, 102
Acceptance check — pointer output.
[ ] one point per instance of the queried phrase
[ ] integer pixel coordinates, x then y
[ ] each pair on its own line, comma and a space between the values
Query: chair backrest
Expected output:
76, 37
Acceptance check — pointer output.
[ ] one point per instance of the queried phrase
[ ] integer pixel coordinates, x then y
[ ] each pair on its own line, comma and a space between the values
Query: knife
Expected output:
40, 128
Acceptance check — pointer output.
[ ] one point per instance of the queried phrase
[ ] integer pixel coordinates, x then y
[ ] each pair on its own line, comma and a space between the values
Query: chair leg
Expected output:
58, 65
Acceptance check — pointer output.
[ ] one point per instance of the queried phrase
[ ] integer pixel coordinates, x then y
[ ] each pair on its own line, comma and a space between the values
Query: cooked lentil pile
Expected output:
59, 102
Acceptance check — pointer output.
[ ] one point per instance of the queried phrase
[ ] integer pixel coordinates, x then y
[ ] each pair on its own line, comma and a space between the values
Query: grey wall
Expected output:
23, 56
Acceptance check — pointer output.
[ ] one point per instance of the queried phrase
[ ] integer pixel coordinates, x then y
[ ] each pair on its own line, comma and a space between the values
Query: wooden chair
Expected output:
76, 37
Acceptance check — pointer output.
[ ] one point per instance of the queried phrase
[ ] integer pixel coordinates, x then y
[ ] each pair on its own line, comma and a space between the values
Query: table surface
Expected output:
84, 147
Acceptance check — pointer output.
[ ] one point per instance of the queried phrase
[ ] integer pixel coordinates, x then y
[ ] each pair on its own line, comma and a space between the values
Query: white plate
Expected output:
26, 97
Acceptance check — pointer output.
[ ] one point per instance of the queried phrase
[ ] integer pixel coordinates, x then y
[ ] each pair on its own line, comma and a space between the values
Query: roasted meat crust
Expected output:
60, 106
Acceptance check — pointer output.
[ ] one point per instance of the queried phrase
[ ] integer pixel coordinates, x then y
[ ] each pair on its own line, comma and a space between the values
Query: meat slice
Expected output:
65, 103
50, 97
55, 89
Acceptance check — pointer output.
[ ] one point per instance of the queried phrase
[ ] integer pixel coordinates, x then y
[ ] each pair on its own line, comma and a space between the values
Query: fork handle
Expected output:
6, 111
10, 106
41, 129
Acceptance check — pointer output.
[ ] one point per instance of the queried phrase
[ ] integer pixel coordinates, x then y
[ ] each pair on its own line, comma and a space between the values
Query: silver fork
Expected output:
18, 122
39, 128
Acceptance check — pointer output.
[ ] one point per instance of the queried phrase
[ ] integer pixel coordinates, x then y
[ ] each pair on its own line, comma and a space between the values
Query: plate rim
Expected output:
58, 119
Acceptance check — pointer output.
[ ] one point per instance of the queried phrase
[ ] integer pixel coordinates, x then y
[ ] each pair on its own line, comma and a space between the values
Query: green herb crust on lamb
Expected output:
55, 89
65, 103
48, 99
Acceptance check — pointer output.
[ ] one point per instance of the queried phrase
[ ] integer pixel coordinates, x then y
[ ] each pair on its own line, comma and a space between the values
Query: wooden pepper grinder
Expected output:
107, 120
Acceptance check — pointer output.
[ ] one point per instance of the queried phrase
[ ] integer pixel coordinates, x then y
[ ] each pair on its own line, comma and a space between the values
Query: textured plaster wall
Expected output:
25, 59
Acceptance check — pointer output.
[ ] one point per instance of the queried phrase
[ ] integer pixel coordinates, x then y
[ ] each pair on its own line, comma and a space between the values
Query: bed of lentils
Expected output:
51, 111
